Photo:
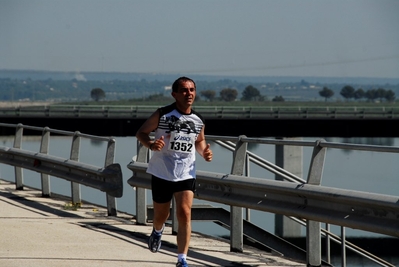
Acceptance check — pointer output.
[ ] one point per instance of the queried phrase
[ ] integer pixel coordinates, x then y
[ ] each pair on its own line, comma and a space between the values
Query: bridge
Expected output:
306, 202
45, 232
295, 121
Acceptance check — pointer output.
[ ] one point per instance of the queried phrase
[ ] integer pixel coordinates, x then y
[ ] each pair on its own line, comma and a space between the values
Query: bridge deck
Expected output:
274, 127
264, 121
39, 231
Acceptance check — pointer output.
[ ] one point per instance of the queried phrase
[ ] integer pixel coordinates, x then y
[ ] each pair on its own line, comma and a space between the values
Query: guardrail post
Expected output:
236, 216
306, 113
313, 243
317, 164
313, 229
290, 159
19, 177
76, 111
277, 113
46, 111
343, 247
141, 193
106, 112
109, 159
75, 187
18, 111
44, 148
247, 173
133, 112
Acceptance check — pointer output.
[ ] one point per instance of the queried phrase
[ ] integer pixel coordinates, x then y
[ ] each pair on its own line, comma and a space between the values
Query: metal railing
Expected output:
143, 111
107, 178
294, 197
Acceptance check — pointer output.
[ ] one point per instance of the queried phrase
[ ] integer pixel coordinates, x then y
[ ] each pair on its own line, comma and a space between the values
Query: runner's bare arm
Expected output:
143, 133
202, 147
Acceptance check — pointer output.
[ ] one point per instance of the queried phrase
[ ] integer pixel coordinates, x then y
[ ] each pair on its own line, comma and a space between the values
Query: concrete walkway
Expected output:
37, 231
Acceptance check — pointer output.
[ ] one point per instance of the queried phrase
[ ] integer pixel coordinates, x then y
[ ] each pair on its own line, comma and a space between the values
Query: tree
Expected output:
157, 97
250, 93
359, 94
348, 92
326, 93
390, 96
97, 94
371, 95
208, 94
381, 93
228, 94
278, 99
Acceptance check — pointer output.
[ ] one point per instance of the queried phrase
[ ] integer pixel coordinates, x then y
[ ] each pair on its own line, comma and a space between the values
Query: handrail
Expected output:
296, 198
143, 111
107, 178
360, 210
349, 245
306, 199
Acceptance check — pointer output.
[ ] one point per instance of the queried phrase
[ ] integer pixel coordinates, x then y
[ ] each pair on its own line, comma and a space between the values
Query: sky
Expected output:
308, 38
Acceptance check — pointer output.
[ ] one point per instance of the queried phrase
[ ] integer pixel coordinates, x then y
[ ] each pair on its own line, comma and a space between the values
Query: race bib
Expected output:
181, 142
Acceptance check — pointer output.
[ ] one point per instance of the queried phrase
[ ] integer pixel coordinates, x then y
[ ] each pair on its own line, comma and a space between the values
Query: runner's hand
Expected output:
158, 144
207, 154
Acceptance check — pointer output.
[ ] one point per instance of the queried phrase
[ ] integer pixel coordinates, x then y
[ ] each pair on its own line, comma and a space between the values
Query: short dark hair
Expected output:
175, 85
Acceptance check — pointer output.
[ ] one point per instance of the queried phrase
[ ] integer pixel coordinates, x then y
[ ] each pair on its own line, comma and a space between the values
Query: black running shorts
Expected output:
163, 190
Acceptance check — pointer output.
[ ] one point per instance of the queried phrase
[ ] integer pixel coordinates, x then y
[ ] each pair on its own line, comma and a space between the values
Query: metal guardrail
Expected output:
307, 200
143, 111
107, 178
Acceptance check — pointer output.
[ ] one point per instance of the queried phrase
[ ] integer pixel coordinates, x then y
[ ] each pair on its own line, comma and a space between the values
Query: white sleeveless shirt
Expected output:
176, 161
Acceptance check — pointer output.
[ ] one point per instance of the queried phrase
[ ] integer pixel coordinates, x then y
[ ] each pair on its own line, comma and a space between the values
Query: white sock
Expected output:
159, 231
181, 256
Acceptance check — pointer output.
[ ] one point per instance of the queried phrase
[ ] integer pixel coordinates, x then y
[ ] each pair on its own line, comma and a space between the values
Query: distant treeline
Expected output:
79, 88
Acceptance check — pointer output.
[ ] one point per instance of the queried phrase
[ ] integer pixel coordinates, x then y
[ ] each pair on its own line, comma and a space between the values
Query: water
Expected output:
355, 170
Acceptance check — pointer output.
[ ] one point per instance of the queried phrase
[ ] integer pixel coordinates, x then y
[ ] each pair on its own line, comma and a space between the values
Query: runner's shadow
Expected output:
167, 247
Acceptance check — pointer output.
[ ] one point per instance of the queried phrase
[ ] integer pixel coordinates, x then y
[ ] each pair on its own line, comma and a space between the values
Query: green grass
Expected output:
72, 206
241, 103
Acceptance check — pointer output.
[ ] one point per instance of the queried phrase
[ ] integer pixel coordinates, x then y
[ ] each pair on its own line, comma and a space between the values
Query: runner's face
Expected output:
185, 94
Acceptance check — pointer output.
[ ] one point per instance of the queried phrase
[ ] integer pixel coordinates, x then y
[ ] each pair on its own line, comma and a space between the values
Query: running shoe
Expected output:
182, 263
154, 242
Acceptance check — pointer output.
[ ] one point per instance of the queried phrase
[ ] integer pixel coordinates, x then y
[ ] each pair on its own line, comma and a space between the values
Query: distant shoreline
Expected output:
137, 76
10, 104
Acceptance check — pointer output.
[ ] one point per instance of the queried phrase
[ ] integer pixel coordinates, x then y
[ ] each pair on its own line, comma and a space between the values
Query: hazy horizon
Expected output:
306, 38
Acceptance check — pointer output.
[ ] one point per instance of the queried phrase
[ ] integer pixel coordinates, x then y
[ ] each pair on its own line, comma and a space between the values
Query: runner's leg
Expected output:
184, 201
161, 214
